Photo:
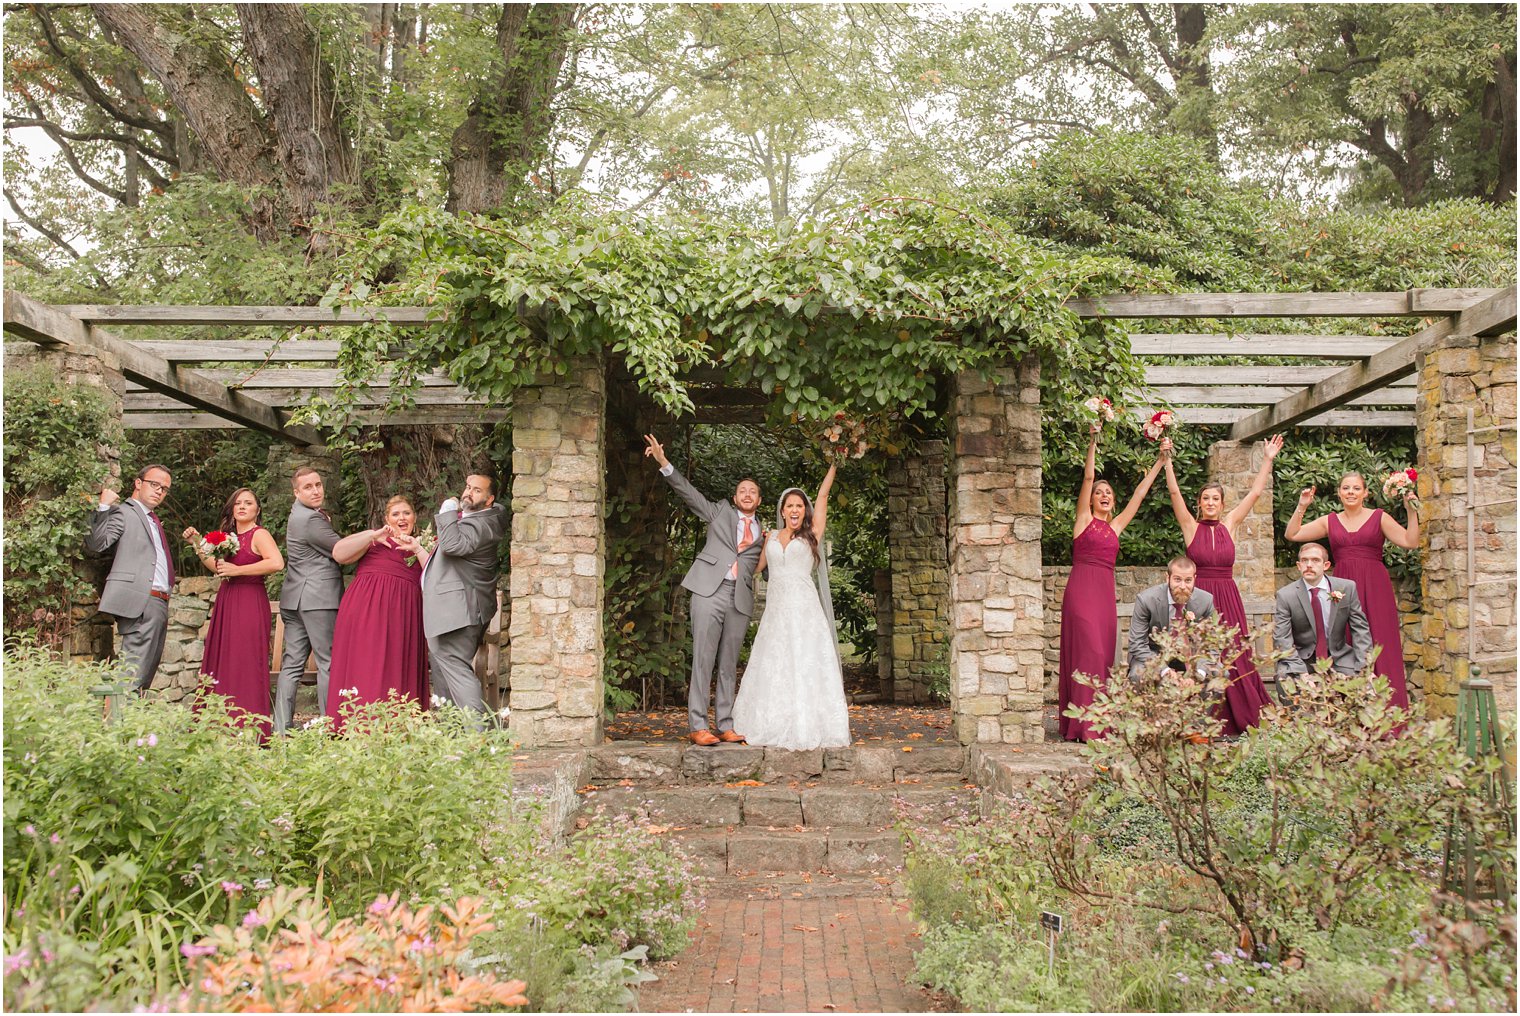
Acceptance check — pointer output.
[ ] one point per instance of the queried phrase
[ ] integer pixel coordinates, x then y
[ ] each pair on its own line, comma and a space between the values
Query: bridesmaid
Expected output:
1210, 541
236, 655
1090, 605
1356, 535
378, 647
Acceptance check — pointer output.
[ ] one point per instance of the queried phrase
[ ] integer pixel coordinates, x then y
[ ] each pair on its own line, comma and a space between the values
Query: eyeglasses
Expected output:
162, 488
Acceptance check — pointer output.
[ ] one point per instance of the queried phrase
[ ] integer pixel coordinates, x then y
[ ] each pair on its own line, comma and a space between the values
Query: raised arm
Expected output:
821, 502
1180, 509
1296, 531
355, 545
1128, 515
106, 523
1084, 496
1407, 537
1258, 486
704, 508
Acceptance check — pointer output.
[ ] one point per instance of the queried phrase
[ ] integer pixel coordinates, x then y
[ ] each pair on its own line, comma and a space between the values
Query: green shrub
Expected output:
125, 842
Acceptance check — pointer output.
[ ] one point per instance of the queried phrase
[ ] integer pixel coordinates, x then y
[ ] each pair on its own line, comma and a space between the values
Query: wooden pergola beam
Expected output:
1345, 385
1224, 415
1319, 347
48, 326
1492, 315
189, 420
1413, 302
1231, 374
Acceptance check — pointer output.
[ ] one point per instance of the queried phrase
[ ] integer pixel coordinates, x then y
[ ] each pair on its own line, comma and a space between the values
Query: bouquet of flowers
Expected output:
1101, 409
1397, 482
1156, 427
426, 541
218, 545
843, 438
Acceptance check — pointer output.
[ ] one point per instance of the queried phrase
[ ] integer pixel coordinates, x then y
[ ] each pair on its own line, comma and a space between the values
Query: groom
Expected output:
722, 586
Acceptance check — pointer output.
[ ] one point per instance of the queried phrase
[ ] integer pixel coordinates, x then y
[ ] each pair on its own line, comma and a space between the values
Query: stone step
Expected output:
747, 850
667, 764
784, 807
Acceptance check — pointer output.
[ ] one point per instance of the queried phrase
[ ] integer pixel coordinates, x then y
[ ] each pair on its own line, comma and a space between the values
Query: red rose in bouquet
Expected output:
219, 545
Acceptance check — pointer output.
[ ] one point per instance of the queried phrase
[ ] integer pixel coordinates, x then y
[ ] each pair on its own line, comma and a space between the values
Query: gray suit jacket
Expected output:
313, 580
124, 527
720, 552
1293, 629
1153, 609
459, 585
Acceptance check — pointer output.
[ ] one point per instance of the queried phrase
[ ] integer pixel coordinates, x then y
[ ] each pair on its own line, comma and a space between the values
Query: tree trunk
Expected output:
195, 70
297, 87
1195, 79
507, 128
1498, 132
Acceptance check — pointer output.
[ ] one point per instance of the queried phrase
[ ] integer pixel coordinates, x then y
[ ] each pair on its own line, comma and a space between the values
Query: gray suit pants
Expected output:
452, 659
717, 635
142, 641
306, 632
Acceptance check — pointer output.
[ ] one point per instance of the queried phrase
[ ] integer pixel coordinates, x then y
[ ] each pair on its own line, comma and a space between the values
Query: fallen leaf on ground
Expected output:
745, 783
802, 927
907, 749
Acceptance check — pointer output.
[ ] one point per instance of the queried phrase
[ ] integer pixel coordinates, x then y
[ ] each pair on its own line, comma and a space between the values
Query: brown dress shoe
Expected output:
703, 737
732, 737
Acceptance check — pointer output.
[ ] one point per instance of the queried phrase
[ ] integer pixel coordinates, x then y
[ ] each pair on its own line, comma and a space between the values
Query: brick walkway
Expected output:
807, 946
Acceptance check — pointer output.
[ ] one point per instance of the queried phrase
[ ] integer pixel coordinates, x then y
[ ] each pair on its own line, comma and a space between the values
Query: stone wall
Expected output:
558, 552
1460, 375
920, 570
185, 641
997, 637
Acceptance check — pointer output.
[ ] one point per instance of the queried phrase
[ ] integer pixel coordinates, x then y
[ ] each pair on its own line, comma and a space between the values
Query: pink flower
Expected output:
190, 951
1337, 595
231, 887
382, 905
254, 919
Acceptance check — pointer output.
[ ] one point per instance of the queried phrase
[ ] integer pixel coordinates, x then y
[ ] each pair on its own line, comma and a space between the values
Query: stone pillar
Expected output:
89, 633
1235, 465
920, 569
997, 636
1457, 374
558, 558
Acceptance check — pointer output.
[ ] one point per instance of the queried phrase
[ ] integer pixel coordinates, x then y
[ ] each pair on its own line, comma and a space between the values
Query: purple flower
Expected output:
17, 960
30, 830
382, 905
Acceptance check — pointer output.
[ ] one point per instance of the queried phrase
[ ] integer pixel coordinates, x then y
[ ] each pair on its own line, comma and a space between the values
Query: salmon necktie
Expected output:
745, 539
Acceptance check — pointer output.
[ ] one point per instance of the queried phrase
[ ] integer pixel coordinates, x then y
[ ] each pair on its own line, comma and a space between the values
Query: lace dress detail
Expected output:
792, 692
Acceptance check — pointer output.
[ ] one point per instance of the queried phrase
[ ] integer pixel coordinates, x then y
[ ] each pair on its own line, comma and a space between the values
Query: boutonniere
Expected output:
1337, 595
1189, 616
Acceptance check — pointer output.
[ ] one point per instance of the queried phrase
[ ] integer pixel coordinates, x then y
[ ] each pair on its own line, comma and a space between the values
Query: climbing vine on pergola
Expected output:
858, 313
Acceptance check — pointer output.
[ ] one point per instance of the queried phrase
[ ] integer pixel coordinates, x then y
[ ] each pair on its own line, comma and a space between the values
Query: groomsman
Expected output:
1319, 618
1173, 602
137, 589
459, 588
309, 597
722, 585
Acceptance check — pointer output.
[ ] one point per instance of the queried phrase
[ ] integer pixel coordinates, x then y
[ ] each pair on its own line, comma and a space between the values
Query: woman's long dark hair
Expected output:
228, 524
806, 530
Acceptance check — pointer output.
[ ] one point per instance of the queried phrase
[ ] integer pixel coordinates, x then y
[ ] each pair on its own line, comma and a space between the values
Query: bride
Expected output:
792, 693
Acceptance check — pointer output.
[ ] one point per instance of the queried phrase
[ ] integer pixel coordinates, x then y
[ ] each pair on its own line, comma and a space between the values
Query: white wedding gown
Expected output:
792, 692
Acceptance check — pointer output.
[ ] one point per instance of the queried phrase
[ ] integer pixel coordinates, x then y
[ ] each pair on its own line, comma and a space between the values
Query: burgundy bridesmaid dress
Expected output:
378, 646
1213, 550
1089, 622
237, 644
1358, 556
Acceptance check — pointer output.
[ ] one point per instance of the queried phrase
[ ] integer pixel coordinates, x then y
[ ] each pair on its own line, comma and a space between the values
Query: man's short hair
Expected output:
1181, 561
487, 474
747, 479
295, 478
142, 474
1317, 546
